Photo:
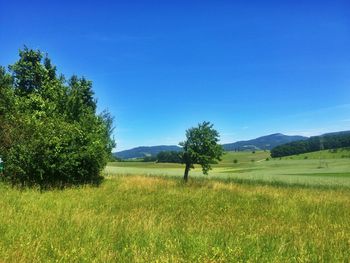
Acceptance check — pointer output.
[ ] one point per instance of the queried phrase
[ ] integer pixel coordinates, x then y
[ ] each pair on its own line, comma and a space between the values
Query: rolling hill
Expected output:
326, 141
261, 143
143, 151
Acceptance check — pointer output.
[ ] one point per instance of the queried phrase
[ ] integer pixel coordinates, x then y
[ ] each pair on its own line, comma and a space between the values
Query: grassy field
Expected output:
289, 210
256, 168
341, 153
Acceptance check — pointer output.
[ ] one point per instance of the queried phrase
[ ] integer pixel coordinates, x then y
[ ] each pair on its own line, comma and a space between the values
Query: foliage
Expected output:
7, 103
201, 147
50, 132
169, 157
316, 143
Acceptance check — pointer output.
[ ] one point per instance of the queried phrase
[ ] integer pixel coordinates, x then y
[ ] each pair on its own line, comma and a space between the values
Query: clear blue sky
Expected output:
250, 67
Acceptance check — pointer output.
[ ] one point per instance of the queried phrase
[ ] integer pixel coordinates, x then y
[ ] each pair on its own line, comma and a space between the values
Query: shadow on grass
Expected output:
49, 186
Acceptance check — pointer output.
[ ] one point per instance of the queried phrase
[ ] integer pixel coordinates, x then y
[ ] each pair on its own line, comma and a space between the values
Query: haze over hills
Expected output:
261, 143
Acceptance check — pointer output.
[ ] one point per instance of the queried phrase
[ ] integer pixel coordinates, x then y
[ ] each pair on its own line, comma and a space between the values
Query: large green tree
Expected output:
201, 147
50, 131
7, 108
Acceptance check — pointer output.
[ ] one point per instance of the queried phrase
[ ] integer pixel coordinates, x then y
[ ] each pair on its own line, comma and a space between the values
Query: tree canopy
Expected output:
201, 147
315, 143
50, 133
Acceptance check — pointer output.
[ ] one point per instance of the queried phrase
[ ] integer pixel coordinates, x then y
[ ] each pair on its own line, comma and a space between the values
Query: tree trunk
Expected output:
187, 169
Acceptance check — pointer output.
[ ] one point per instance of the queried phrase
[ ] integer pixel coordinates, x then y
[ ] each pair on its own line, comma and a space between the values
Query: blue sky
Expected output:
250, 67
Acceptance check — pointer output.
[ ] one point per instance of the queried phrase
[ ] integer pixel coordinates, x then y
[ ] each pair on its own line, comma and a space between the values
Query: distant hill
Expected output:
326, 141
336, 133
263, 143
143, 151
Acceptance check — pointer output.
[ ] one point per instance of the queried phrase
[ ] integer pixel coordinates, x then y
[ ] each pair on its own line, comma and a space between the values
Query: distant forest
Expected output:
164, 157
316, 143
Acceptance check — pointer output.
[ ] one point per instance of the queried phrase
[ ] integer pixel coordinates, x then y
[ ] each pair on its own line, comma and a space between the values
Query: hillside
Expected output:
338, 153
263, 143
143, 151
323, 142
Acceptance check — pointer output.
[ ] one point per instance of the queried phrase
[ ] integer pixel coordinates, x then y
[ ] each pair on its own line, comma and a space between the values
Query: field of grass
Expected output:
341, 153
289, 210
147, 219
295, 170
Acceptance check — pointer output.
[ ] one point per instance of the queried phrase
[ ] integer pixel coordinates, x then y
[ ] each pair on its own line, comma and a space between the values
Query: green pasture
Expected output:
341, 153
254, 168
288, 210
159, 219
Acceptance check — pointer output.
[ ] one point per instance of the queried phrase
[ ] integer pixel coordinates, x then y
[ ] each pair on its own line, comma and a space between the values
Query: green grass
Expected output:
288, 210
243, 157
330, 172
148, 219
341, 153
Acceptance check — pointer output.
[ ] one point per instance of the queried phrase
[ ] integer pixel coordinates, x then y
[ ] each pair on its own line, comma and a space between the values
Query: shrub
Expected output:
52, 133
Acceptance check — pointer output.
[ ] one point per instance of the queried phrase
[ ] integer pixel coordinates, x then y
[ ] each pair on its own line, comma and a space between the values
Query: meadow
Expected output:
254, 209
320, 169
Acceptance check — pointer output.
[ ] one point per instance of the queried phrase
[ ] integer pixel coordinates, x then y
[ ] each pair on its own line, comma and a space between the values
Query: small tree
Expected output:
201, 147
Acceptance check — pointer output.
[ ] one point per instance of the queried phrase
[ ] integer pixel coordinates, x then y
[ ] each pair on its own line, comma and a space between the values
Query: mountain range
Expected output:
261, 143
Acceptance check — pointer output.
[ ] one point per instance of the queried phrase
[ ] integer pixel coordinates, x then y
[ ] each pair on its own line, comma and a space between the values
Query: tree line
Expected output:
50, 132
316, 143
164, 157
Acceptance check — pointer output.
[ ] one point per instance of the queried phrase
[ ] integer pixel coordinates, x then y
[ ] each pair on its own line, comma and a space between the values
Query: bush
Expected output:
56, 153
235, 161
52, 134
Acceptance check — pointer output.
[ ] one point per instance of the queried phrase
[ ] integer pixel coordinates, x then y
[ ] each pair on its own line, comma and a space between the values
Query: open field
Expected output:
145, 219
341, 153
295, 170
262, 211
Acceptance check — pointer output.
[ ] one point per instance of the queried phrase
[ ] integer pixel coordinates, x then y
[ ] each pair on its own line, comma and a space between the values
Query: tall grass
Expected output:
302, 172
147, 219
